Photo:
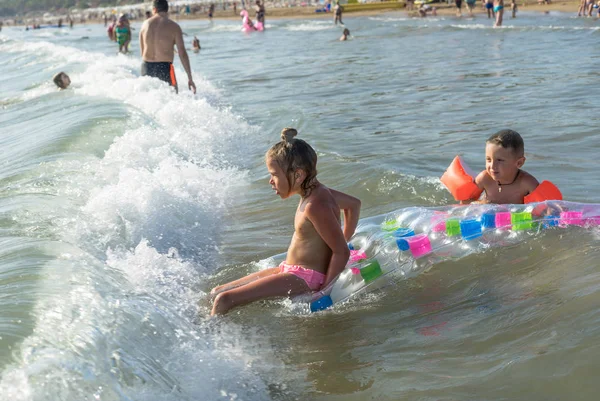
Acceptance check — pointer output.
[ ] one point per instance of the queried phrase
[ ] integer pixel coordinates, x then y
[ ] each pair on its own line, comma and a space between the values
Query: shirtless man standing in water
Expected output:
157, 37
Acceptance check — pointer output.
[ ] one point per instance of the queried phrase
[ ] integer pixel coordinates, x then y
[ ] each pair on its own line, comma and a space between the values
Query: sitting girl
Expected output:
318, 251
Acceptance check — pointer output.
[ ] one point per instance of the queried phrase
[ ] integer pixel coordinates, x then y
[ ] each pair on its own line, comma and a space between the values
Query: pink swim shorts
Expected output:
313, 279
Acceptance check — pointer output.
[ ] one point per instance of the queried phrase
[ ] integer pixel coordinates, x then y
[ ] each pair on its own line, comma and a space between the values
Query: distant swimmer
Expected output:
122, 33
337, 12
196, 43
345, 34
111, 30
259, 10
426, 8
62, 80
157, 37
489, 6
211, 11
471, 6
499, 11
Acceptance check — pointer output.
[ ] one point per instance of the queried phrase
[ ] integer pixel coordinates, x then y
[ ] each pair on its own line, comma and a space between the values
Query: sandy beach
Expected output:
368, 9
350, 10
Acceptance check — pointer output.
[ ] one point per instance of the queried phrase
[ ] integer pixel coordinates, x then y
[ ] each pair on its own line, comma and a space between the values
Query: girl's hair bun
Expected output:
288, 134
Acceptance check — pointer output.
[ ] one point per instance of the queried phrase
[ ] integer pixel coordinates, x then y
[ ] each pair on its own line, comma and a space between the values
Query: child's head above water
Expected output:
508, 139
504, 154
292, 164
61, 80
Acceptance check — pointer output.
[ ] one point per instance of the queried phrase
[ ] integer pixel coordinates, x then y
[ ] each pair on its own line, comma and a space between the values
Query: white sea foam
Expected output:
311, 26
118, 318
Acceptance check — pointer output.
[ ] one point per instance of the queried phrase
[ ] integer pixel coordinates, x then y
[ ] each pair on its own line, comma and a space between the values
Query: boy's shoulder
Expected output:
483, 178
528, 181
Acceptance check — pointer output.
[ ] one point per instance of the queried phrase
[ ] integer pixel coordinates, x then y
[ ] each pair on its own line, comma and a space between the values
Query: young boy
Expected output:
503, 181
513, 7
61, 80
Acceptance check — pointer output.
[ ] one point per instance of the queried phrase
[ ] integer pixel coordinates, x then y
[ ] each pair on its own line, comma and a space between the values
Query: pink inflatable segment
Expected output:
419, 245
438, 222
355, 256
571, 219
503, 220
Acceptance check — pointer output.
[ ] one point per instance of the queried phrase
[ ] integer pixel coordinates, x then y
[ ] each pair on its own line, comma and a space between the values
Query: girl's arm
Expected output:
351, 208
324, 219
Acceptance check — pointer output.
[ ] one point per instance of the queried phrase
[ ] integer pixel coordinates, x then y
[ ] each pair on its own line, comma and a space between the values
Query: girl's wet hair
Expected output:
292, 154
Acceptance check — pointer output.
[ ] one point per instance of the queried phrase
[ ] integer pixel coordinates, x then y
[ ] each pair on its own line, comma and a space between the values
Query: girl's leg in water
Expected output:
275, 285
244, 280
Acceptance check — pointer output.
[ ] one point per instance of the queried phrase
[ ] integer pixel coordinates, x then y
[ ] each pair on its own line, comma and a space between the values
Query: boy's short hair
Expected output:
508, 138
57, 79
160, 5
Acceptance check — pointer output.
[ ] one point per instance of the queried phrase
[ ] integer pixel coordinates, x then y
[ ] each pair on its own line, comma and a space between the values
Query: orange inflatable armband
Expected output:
459, 180
545, 191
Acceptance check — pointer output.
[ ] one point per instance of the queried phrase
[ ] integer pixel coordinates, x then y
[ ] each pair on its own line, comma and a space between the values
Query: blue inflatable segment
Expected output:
488, 220
470, 229
400, 235
320, 304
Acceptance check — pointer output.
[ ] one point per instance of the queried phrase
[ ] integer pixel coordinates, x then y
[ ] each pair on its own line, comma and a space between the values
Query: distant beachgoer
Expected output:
260, 12
211, 11
196, 43
470, 6
513, 7
424, 9
1, 23
235, 8
123, 33
458, 4
158, 35
60, 22
105, 17
246, 21
489, 6
582, 8
62, 80
337, 12
111, 30
345, 34
410, 5
499, 10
